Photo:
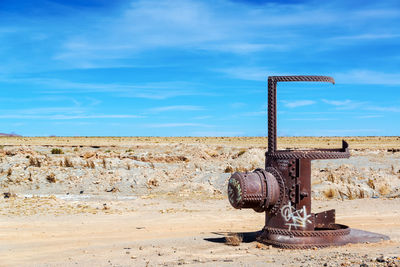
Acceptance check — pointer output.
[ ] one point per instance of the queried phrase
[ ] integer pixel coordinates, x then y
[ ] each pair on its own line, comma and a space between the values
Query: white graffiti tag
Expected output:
296, 218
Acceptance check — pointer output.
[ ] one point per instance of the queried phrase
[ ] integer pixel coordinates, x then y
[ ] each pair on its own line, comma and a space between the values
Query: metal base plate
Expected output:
337, 236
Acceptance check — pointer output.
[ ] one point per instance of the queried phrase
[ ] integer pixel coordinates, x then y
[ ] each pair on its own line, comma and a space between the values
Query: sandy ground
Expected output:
160, 202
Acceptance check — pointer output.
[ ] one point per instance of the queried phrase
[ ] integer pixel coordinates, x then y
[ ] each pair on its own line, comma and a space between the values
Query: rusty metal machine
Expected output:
283, 190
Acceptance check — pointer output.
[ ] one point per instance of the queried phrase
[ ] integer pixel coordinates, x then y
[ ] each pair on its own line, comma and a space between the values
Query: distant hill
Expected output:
10, 134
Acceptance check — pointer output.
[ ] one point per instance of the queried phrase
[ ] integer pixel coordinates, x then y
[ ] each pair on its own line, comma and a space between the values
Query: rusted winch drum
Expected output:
283, 190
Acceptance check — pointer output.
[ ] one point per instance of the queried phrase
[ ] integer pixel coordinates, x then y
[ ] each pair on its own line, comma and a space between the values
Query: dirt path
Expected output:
189, 233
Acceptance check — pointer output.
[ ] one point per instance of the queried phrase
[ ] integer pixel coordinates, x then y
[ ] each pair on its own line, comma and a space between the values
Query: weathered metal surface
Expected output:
283, 190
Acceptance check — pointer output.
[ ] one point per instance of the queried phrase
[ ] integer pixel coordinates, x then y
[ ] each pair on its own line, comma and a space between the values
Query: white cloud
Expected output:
346, 104
237, 105
149, 90
255, 113
368, 116
247, 73
203, 117
367, 36
201, 25
176, 108
337, 102
70, 117
178, 124
384, 109
368, 77
312, 119
298, 103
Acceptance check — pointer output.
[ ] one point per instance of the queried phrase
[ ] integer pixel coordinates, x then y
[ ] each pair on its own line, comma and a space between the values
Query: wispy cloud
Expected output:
368, 116
384, 109
337, 102
237, 105
312, 119
202, 117
70, 117
175, 108
149, 90
255, 113
176, 124
368, 77
298, 103
345, 104
246, 73
367, 36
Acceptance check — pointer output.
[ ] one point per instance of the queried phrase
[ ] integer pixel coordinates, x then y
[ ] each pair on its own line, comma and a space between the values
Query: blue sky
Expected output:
197, 68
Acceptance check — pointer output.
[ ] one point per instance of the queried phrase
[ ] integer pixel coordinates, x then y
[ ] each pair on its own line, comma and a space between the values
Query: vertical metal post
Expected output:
271, 114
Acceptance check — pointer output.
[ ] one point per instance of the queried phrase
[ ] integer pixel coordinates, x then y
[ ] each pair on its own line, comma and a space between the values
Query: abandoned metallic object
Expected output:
283, 190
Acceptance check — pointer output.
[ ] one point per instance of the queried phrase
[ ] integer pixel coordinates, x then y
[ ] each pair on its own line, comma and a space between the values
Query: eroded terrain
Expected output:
162, 201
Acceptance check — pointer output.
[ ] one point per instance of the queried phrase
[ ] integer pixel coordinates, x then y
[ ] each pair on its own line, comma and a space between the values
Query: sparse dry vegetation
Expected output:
152, 182
228, 169
57, 151
35, 162
200, 162
68, 163
172, 187
330, 193
51, 178
233, 239
90, 164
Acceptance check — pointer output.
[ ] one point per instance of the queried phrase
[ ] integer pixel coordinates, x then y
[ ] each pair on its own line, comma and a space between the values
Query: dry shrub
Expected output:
233, 240
90, 164
34, 162
9, 195
57, 151
212, 154
68, 163
10, 153
371, 183
51, 178
350, 194
9, 172
331, 178
384, 189
165, 159
392, 171
152, 182
362, 193
241, 152
89, 155
228, 169
330, 193
241, 169
183, 158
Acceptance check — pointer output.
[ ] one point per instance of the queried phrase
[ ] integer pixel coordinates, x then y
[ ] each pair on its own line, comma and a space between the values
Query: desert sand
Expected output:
152, 201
